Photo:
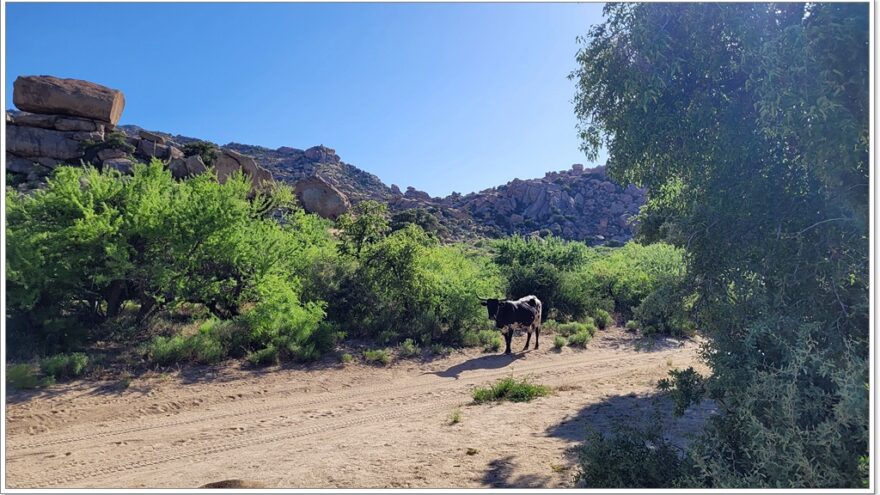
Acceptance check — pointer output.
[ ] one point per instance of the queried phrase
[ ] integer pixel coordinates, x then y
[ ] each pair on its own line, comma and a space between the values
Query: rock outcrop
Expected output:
52, 95
71, 121
317, 196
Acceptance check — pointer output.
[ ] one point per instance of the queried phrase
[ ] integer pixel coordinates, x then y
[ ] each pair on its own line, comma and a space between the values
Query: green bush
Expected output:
571, 328
22, 376
685, 386
207, 151
580, 339
381, 356
346, 358
263, 357
603, 319
490, 340
510, 389
632, 325
667, 311
64, 366
559, 342
409, 348
629, 458
91, 242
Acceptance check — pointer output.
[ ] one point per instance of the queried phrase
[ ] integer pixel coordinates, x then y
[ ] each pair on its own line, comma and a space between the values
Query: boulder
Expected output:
177, 167
73, 97
229, 161
124, 165
318, 196
35, 141
152, 149
322, 154
56, 122
18, 165
151, 136
414, 193
195, 165
110, 153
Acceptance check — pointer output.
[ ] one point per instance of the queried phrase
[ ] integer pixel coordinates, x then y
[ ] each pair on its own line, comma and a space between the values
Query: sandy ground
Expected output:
335, 426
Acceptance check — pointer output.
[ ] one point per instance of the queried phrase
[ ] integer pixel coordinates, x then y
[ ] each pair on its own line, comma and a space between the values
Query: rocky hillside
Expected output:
71, 121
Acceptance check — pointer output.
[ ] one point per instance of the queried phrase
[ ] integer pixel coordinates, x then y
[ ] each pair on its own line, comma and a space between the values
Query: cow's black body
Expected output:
522, 313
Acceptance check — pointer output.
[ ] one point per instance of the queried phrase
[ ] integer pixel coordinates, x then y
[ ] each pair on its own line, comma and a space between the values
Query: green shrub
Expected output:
490, 340
667, 311
92, 242
559, 342
571, 328
64, 366
579, 339
22, 376
470, 339
263, 357
207, 151
632, 325
440, 349
629, 458
409, 348
169, 350
346, 358
685, 386
603, 319
382, 356
510, 389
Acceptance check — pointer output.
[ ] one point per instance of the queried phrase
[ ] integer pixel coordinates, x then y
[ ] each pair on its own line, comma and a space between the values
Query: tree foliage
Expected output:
748, 123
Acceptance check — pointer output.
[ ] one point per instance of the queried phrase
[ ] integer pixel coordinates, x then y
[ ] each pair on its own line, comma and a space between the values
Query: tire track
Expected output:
293, 402
402, 407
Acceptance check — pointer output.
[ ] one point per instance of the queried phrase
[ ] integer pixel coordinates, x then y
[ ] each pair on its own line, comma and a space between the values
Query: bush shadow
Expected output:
500, 475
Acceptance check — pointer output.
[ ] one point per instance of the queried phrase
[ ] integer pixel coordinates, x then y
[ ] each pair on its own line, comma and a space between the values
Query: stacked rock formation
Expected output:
73, 122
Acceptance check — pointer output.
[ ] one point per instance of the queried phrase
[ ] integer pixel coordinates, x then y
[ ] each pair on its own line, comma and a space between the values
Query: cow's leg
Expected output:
508, 337
537, 334
528, 338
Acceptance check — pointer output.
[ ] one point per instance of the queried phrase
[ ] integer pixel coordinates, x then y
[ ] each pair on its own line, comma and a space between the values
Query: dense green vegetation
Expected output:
749, 125
199, 272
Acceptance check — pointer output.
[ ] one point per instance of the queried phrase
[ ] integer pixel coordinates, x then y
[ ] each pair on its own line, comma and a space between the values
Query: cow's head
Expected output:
491, 306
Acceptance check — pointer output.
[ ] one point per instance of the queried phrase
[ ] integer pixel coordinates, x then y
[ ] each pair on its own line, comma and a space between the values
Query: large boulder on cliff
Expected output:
318, 196
229, 161
52, 95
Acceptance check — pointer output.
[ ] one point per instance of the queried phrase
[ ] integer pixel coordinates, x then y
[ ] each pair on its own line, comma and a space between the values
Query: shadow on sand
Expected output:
500, 475
495, 361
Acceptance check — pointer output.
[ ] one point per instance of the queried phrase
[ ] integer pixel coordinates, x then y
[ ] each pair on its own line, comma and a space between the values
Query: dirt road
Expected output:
339, 426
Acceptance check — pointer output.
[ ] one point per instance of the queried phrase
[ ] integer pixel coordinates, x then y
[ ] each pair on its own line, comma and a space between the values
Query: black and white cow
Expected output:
524, 313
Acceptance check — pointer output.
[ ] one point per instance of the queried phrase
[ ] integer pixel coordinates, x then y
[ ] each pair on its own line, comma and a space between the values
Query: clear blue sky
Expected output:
443, 97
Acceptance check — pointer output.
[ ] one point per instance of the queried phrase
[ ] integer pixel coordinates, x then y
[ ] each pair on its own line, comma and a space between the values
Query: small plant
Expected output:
470, 339
346, 358
382, 356
490, 340
64, 366
22, 376
559, 342
632, 325
409, 348
567, 329
455, 417
685, 386
603, 319
579, 339
510, 389
440, 349
263, 357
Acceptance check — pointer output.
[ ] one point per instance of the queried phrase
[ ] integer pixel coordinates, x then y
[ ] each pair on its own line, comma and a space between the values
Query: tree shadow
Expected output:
495, 361
635, 410
652, 343
500, 475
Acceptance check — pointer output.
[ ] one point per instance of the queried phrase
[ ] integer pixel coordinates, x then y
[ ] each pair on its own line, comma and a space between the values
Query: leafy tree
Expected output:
366, 224
748, 123
204, 149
